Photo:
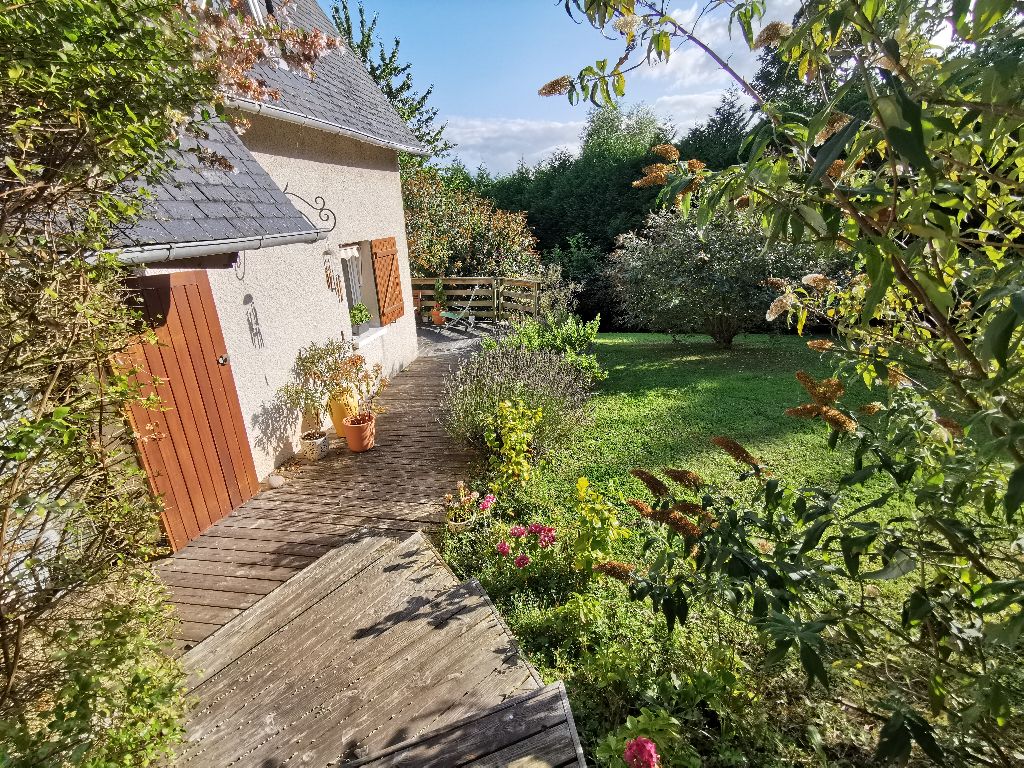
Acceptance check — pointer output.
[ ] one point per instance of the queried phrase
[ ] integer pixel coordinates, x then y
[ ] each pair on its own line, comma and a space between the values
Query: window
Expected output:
358, 274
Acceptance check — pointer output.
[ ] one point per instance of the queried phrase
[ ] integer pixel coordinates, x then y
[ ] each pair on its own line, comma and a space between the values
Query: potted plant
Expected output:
315, 377
440, 303
360, 317
367, 382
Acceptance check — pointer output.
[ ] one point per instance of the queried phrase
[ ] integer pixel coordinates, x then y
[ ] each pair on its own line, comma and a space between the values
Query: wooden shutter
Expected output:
387, 279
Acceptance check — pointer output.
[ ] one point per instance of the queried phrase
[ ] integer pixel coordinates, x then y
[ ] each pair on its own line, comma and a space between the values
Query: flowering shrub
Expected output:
542, 378
566, 334
650, 739
641, 752
454, 231
674, 277
599, 527
526, 545
508, 434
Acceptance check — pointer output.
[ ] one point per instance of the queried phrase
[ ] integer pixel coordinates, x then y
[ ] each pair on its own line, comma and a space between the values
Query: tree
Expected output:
454, 231
924, 192
84, 674
717, 141
586, 194
671, 278
395, 81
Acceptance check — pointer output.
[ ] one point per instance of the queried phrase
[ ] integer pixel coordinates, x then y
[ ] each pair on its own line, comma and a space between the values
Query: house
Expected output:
239, 267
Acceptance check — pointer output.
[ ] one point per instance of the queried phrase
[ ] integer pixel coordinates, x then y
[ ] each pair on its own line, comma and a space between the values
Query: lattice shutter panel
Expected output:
387, 279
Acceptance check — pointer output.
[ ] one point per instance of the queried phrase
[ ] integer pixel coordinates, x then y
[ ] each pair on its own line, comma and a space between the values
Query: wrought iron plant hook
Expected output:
319, 207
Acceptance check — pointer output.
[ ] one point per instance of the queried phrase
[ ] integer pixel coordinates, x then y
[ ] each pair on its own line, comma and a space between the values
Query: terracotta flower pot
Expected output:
436, 316
315, 445
341, 406
360, 432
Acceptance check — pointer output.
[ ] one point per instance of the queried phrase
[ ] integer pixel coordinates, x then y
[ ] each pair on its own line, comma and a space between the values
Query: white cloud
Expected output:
684, 110
500, 143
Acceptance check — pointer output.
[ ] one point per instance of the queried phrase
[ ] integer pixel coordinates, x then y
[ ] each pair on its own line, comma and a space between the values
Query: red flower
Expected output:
517, 531
641, 752
522, 560
503, 548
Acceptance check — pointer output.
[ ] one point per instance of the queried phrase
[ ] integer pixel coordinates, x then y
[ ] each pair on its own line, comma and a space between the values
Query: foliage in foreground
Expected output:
92, 95
925, 194
677, 278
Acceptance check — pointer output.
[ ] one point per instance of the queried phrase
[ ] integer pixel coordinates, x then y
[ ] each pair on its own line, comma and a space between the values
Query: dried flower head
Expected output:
641, 506
824, 392
870, 409
654, 485
771, 35
898, 379
737, 451
695, 166
835, 123
776, 283
676, 521
780, 306
950, 425
651, 180
685, 477
613, 568
557, 87
818, 282
666, 152
820, 345
836, 169
838, 420
805, 411
656, 169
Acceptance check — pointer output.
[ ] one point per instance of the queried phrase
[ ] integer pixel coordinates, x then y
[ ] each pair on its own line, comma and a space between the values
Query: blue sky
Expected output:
487, 58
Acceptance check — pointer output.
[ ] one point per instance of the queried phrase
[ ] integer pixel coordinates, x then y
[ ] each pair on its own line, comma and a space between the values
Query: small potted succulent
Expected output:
440, 303
366, 382
360, 317
314, 381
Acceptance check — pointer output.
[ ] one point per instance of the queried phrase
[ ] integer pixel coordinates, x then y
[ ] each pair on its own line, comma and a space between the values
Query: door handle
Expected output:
223, 360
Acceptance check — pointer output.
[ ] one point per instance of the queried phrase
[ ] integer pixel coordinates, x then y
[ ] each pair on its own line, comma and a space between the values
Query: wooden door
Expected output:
193, 448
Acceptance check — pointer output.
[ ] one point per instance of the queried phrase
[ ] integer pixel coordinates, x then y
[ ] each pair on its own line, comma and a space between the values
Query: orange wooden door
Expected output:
194, 447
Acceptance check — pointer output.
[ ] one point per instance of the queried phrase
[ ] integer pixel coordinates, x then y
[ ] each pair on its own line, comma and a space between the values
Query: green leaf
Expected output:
813, 536
1014, 493
986, 14
811, 661
831, 150
900, 564
894, 742
995, 343
881, 274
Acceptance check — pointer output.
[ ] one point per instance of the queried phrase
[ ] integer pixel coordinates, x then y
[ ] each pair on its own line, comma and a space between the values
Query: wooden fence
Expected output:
490, 298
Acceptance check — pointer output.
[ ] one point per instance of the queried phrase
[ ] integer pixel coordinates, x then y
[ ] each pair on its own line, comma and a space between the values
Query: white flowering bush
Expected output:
672, 278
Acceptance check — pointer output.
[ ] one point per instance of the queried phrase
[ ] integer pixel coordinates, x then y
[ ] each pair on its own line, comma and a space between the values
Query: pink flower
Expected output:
487, 502
504, 548
641, 752
522, 561
517, 531
535, 528
546, 539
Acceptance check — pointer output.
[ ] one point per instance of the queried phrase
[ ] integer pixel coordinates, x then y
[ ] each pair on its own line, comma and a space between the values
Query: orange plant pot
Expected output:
360, 432
436, 316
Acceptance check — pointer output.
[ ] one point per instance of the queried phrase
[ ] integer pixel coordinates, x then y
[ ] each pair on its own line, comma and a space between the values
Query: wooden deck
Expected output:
321, 628
393, 490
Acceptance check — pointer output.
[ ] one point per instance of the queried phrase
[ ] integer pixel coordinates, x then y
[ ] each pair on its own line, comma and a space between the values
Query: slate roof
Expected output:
342, 95
199, 203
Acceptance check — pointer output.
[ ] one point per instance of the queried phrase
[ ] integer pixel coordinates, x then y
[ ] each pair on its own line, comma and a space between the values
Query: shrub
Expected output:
508, 433
674, 277
599, 527
566, 334
454, 231
542, 378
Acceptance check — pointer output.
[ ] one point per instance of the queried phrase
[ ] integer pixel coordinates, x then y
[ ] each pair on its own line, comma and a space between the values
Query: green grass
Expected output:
663, 401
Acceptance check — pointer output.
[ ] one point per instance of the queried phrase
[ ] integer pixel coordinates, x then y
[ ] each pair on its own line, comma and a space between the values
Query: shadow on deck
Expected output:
392, 490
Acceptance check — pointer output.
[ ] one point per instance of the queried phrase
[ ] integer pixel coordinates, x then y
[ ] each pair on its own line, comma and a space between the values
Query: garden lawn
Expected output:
664, 400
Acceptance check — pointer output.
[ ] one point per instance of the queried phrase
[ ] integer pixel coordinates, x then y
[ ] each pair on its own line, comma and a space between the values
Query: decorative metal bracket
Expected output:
319, 207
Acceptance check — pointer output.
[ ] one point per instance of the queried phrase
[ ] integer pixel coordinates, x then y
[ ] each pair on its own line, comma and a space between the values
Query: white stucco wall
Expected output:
274, 301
